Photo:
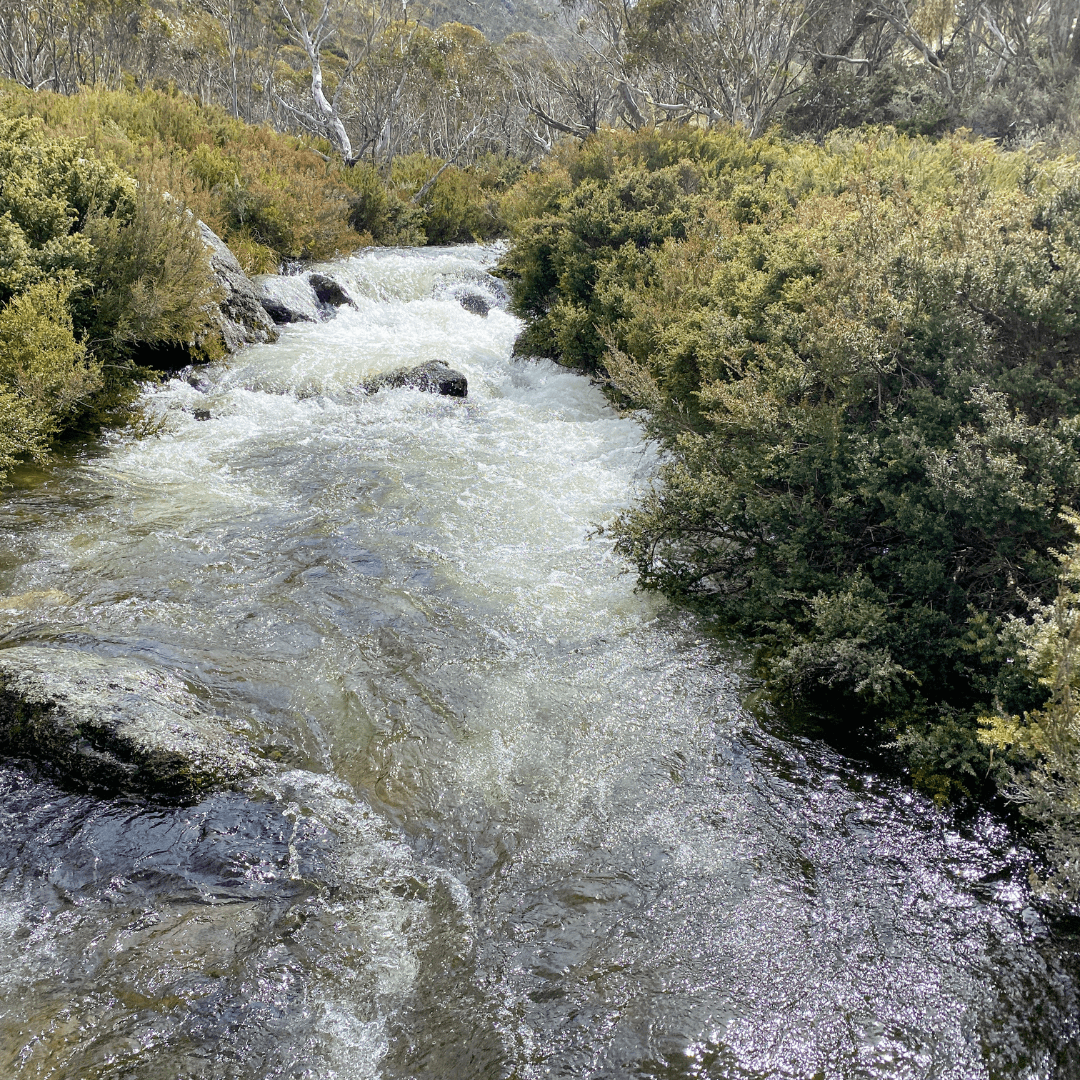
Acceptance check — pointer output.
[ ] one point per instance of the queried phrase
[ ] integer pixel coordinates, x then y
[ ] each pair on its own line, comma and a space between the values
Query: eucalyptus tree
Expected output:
247, 48
731, 60
55, 45
466, 97
573, 96
342, 34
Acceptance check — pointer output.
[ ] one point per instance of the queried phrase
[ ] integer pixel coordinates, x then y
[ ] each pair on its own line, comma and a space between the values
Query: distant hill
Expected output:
498, 19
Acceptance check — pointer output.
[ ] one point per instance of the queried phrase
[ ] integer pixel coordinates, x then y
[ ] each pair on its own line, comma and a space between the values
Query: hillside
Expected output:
498, 19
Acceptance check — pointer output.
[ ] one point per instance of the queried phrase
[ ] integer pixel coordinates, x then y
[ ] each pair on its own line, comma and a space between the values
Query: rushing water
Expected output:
515, 824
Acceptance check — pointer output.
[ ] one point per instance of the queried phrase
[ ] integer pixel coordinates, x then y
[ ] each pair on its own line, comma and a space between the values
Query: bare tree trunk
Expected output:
312, 42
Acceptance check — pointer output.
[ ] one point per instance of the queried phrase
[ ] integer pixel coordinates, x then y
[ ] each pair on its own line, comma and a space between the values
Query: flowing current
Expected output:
514, 823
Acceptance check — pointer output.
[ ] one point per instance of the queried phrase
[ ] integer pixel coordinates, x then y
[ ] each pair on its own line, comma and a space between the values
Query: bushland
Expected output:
862, 360
100, 262
273, 197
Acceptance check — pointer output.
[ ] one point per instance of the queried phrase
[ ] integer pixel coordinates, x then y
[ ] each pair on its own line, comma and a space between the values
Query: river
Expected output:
515, 822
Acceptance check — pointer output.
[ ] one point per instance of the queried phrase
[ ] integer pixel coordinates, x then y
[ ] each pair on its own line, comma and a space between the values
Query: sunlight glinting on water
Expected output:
514, 823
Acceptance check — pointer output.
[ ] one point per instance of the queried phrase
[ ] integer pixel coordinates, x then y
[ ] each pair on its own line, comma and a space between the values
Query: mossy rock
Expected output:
114, 726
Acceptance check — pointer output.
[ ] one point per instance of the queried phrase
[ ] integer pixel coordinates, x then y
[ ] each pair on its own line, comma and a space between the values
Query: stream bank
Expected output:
511, 819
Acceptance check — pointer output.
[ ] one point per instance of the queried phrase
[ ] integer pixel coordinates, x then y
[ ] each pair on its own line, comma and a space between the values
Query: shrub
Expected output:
45, 376
258, 189
94, 268
1045, 742
147, 286
861, 359
40, 360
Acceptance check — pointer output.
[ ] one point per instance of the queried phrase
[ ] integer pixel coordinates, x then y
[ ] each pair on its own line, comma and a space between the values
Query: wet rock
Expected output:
287, 299
202, 414
329, 291
114, 725
280, 313
434, 377
242, 320
195, 378
475, 303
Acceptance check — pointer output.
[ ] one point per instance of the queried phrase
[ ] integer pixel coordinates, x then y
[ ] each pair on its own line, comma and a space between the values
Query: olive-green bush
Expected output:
45, 375
863, 361
94, 270
1044, 742
273, 197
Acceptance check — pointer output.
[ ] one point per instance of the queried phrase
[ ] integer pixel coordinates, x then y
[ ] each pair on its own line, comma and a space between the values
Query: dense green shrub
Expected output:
270, 196
863, 360
93, 270
446, 204
1046, 741
45, 376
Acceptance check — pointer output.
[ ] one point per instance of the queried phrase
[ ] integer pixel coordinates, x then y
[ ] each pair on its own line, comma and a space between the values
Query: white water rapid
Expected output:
514, 824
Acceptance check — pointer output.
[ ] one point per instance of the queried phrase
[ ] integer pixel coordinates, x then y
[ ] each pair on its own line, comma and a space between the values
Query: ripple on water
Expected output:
520, 827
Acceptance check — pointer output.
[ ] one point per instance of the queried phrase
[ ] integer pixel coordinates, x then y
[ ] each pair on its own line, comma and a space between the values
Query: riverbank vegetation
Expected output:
861, 359
93, 268
273, 197
829, 250
100, 262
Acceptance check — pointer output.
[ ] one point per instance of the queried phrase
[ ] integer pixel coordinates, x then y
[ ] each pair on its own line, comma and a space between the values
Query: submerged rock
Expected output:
113, 725
434, 377
281, 313
243, 320
287, 299
475, 303
329, 291
195, 378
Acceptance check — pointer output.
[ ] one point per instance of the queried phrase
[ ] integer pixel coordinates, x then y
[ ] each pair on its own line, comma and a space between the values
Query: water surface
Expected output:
515, 822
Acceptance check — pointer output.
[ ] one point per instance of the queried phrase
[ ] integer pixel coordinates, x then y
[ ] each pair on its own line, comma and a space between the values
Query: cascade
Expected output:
509, 818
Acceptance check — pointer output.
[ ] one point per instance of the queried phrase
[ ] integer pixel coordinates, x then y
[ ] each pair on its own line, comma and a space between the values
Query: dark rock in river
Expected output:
475, 303
242, 319
287, 299
282, 314
434, 377
329, 291
113, 725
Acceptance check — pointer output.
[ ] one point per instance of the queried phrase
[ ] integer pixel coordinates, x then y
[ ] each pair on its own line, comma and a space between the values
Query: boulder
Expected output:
434, 377
281, 313
287, 299
243, 320
329, 291
113, 725
475, 303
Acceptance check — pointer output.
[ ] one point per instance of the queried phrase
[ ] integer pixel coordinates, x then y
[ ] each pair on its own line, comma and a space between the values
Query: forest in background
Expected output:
827, 252
380, 78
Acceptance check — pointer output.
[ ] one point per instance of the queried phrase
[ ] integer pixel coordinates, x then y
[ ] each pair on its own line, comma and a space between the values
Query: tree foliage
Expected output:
376, 78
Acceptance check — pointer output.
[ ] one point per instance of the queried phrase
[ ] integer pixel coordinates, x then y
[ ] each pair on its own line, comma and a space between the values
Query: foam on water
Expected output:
517, 824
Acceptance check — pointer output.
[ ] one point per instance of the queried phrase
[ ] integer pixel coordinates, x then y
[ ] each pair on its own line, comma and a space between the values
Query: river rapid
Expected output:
515, 822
